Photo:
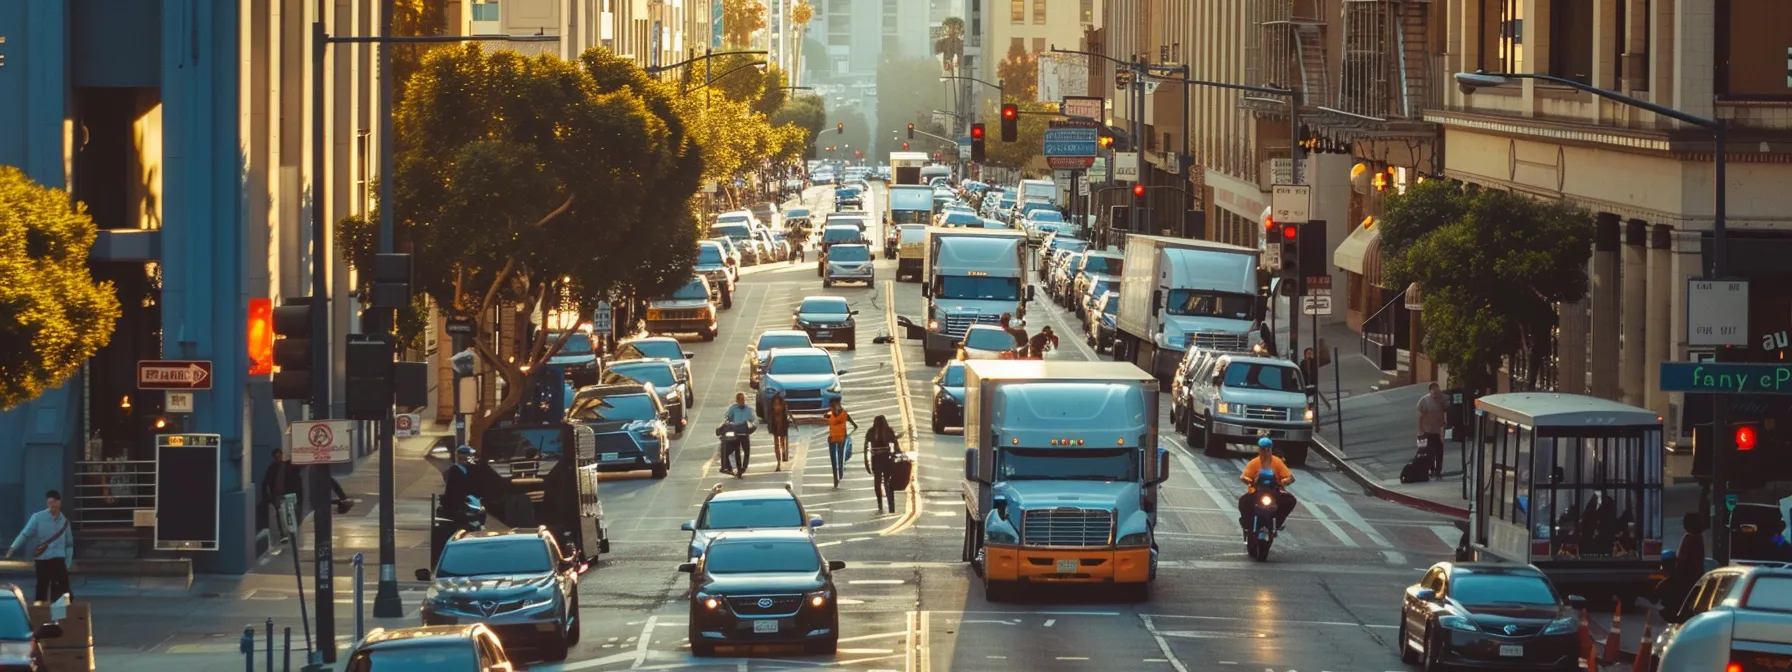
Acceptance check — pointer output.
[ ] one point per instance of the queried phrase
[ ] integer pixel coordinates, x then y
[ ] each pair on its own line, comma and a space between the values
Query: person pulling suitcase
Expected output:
880, 457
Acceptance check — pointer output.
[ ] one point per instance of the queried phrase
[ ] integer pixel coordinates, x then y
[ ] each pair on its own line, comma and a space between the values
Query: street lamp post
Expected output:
386, 603
1719, 268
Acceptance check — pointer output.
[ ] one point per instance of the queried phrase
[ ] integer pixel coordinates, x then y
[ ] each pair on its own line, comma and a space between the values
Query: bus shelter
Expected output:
1571, 484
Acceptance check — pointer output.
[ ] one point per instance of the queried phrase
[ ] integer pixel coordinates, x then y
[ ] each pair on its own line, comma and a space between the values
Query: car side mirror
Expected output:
970, 465
1000, 504
852, 312
49, 631
422, 575
689, 526
690, 355
814, 523
836, 565
1577, 602
687, 567
841, 372
1427, 595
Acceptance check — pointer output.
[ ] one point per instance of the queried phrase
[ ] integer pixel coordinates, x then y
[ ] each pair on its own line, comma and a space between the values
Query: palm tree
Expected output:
800, 15
950, 46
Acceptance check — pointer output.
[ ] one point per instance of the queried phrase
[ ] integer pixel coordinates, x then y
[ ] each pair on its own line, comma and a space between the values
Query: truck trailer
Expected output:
1178, 294
1061, 475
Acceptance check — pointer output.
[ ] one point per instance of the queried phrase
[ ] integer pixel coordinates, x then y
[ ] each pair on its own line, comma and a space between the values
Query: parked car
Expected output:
519, 583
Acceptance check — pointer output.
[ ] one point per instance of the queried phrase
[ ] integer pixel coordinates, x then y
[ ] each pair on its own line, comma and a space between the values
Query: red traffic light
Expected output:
840, 127
1745, 438
1010, 111
1289, 231
905, 146
1269, 224
1138, 190
977, 131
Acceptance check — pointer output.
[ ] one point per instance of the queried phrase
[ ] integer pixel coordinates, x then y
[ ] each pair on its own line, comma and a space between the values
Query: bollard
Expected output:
360, 590
285, 653
247, 646
270, 656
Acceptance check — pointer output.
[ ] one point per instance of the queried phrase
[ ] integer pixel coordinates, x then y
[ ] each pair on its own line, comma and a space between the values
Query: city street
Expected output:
1326, 599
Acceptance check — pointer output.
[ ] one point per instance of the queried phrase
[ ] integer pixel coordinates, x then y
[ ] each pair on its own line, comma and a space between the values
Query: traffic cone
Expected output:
1613, 635
1586, 643
1644, 653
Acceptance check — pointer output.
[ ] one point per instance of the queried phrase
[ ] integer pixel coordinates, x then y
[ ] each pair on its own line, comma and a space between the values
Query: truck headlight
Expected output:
834, 388
1309, 415
1225, 408
1136, 539
933, 325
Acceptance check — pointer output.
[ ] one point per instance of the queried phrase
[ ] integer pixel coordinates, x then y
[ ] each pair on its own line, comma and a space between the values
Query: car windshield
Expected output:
953, 376
613, 408
577, 343
741, 514
659, 374
770, 341
667, 349
794, 213
13, 622
1196, 303
849, 253
978, 287
823, 305
1255, 376
1103, 464
988, 339
1072, 244
840, 234
1103, 285
1501, 589
959, 218
522, 555
753, 557
801, 364
450, 654
1100, 264
709, 255
993, 224
692, 290
1046, 216
737, 231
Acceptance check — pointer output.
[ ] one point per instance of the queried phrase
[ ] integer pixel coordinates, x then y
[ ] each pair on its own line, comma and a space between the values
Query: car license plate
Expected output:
765, 627
823, 334
1067, 566
1511, 650
609, 457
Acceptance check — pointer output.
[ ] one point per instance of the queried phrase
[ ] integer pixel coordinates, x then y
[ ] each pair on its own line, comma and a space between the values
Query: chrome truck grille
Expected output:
958, 323
1067, 527
1216, 340
1276, 413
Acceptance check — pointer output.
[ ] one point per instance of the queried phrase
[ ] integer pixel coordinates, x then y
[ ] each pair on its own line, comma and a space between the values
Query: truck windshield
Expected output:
1252, 376
692, 290
1199, 303
911, 199
1045, 216
1100, 464
923, 216
968, 287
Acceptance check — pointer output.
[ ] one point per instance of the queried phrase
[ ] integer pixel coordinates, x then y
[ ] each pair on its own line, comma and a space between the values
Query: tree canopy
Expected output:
801, 13
1029, 142
524, 180
805, 112
740, 19
1493, 265
950, 46
1019, 71
56, 315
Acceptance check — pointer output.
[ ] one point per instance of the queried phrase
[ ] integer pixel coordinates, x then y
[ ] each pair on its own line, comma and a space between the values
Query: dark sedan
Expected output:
634, 410
1489, 616
658, 373
827, 319
948, 397
763, 587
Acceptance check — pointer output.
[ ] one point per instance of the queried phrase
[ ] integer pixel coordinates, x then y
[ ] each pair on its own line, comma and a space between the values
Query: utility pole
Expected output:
1138, 128
385, 601
323, 589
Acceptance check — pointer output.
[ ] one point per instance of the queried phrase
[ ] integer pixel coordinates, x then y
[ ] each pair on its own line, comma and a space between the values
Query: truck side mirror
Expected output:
970, 464
1157, 301
1029, 293
925, 293
1000, 504
1163, 466
688, 526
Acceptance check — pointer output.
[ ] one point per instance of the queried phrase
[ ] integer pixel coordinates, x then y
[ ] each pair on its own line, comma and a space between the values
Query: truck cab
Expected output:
1242, 398
1178, 294
972, 276
1061, 478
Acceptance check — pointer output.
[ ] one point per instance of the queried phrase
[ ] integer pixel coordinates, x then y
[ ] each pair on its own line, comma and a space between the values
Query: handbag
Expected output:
44, 547
848, 457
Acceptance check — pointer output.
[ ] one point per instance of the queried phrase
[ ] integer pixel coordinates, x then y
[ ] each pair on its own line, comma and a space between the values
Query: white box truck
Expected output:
1179, 293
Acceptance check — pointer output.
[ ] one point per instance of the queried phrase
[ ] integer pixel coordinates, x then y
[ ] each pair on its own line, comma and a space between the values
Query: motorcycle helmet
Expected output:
464, 452
1265, 443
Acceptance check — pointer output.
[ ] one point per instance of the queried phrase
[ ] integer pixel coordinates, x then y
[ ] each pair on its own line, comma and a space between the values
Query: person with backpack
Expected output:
52, 548
880, 460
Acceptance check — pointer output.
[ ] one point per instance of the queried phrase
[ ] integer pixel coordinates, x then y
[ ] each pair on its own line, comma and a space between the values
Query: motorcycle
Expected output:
1263, 517
733, 438
890, 247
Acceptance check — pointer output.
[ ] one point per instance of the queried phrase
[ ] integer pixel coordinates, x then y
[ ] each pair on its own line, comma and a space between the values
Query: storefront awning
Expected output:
1355, 249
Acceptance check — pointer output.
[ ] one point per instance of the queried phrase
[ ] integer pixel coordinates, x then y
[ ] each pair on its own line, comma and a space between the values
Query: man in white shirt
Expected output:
52, 547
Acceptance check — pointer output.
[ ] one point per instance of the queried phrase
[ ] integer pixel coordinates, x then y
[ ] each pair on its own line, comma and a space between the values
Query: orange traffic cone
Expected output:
1644, 649
1613, 635
1586, 643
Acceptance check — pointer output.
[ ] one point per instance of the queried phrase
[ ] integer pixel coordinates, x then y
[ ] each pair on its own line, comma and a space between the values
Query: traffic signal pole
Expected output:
385, 601
323, 589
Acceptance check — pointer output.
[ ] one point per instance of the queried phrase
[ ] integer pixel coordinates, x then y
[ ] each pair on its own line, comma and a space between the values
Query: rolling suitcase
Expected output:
902, 470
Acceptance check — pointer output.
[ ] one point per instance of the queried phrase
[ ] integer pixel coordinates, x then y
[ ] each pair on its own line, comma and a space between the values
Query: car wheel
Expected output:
852, 339
1407, 654
1210, 445
572, 631
824, 647
710, 334
1296, 455
555, 650
659, 470
826, 283
1433, 659
939, 426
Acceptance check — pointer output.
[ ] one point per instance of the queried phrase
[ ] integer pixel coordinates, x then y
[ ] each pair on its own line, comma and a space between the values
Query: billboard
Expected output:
188, 470
1063, 75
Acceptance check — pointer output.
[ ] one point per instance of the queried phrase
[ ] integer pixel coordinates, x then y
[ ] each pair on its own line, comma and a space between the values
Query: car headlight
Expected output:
1225, 408
1562, 626
543, 597
437, 600
1257, 348
1454, 622
1135, 539
709, 602
1309, 416
997, 535
819, 598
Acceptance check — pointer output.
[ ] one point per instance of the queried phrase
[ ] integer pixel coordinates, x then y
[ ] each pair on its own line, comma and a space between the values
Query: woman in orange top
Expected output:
838, 420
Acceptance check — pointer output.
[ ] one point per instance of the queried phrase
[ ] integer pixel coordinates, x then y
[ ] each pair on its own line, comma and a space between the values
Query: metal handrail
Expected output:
122, 488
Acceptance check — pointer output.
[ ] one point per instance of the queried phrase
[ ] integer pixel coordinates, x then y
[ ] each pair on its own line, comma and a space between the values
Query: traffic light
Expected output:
1751, 459
1138, 193
911, 135
1010, 122
977, 143
1290, 250
370, 375
1105, 140
1746, 434
905, 146
840, 127
292, 348
1313, 249
261, 337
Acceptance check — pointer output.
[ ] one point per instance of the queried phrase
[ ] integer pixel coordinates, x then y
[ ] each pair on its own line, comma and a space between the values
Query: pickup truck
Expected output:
1234, 398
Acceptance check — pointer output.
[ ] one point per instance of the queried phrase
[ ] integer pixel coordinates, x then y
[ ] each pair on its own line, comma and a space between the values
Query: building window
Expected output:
1017, 11
1039, 12
1017, 45
1501, 38
1088, 12
1038, 45
1755, 54
1571, 40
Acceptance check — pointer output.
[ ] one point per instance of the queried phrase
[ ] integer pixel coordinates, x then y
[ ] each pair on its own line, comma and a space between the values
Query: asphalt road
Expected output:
1326, 600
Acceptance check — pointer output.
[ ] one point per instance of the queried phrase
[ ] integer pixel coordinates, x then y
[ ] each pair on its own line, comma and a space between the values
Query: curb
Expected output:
1369, 483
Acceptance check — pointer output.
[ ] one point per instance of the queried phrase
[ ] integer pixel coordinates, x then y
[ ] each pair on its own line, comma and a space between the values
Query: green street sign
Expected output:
1719, 378
1730, 501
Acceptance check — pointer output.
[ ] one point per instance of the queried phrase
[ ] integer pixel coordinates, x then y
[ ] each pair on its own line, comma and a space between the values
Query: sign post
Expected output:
1126, 166
1290, 203
1716, 312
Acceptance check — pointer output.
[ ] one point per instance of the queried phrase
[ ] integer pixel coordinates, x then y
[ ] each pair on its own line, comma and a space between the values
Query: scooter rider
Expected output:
1266, 459
740, 419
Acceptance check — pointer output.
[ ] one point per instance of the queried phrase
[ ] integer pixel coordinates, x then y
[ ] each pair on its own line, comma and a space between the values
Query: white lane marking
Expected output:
1271, 621
1046, 613
646, 639
1319, 514
1050, 622
1162, 645
867, 651
1448, 533
881, 635
1194, 471
1349, 515
1072, 658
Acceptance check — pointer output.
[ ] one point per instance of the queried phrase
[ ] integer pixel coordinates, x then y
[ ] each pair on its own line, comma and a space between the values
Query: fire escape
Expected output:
1386, 73
1293, 48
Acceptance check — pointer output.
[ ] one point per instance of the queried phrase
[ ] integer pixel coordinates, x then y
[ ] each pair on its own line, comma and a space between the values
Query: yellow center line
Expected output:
907, 520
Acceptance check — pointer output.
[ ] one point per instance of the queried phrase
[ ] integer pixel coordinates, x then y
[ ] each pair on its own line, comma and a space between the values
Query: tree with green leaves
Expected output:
524, 182
950, 47
774, 90
807, 113
740, 19
1029, 142
56, 315
1019, 71
1493, 266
